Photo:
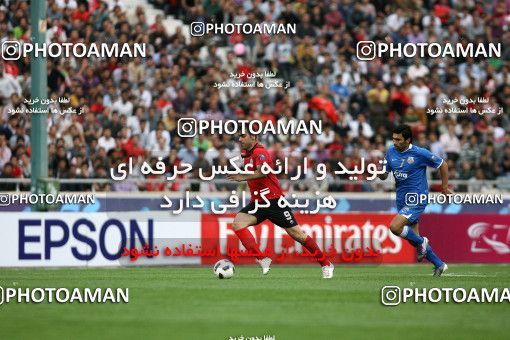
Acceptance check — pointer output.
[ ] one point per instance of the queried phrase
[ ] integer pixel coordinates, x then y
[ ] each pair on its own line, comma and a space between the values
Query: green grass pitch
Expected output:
289, 303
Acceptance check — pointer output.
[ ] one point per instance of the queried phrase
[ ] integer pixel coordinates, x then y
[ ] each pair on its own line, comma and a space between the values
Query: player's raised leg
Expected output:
241, 223
299, 235
400, 227
439, 265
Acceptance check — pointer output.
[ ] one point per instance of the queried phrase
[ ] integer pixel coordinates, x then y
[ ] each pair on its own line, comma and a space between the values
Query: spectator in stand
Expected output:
8, 84
5, 151
417, 69
451, 143
187, 153
7, 173
360, 127
106, 141
123, 105
132, 147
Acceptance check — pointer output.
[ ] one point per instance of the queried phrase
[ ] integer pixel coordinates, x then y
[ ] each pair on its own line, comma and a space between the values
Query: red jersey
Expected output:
258, 155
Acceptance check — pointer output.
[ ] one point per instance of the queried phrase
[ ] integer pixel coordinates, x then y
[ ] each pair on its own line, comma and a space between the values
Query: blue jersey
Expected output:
410, 171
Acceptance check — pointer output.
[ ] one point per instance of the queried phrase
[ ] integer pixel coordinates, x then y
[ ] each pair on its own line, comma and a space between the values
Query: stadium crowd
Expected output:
130, 106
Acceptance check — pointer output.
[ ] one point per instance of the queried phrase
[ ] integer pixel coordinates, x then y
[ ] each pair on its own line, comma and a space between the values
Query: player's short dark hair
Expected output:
248, 132
404, 130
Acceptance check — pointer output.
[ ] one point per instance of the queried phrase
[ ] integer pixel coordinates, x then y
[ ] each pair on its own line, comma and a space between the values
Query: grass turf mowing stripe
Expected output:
290, 303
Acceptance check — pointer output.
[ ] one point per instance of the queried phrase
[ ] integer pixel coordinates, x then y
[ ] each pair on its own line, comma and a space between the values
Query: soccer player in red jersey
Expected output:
255, 154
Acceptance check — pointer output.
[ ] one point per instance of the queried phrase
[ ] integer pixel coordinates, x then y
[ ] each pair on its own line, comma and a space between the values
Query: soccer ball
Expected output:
224, 269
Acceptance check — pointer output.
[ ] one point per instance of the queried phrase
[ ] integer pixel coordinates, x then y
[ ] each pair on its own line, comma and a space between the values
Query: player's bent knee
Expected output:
242, 221
238, 224
396, 229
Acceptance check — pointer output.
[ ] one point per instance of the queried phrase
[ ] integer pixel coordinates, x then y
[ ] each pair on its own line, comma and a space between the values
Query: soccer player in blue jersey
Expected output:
409, 163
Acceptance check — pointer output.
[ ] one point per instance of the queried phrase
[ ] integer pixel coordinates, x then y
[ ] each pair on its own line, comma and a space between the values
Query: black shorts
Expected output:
282, 217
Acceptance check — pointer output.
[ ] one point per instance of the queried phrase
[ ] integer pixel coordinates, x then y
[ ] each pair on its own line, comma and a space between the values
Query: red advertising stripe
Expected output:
345, 233
471, 238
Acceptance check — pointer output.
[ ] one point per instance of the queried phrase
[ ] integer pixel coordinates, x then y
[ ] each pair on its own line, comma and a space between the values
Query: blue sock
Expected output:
411, 236
412, 243
432, 257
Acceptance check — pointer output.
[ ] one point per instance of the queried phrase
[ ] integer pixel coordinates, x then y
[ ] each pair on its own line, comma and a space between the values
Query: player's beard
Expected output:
246, 151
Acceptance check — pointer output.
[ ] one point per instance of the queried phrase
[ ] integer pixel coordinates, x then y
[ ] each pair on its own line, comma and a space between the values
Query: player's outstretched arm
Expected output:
387, 169
443, 171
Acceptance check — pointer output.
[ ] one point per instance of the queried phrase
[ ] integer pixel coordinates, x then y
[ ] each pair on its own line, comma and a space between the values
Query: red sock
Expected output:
248, 241
312, 247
